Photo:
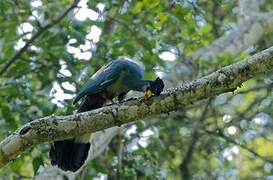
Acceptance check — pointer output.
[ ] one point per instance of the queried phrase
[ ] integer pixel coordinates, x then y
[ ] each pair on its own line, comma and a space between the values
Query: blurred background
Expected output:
48, 49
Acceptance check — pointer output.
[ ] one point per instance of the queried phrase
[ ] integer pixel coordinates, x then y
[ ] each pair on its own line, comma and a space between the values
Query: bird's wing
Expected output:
102, 79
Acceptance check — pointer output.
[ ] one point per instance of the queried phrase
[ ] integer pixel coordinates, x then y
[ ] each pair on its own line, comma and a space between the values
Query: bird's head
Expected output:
155, 87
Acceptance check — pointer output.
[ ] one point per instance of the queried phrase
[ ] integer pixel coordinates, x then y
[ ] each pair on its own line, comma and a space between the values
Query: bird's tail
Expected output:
70, 154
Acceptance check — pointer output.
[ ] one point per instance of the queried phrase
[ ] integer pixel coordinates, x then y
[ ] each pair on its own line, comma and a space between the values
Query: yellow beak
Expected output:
148, 93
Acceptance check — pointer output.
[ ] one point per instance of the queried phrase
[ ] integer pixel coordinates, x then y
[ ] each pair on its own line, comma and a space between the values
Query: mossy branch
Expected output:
52, 128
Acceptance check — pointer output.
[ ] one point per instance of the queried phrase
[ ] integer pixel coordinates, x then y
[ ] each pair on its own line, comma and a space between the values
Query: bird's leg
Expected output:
148, 93
121, 97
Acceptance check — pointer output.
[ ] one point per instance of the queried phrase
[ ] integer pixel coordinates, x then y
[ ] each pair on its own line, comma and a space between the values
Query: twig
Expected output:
195, 137
54, 128
120, 155
219, 133
35, 36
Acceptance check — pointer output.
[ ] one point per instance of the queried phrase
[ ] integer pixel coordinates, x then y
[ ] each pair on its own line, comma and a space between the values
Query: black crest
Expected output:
157, 86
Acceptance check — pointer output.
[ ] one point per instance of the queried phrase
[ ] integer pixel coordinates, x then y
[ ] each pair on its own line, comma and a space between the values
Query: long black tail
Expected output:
70, 154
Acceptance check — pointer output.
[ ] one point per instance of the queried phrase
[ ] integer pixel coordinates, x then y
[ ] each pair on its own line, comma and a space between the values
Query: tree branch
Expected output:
39, 32
230, 140
247, 7
245, 34
54, 128
184, 169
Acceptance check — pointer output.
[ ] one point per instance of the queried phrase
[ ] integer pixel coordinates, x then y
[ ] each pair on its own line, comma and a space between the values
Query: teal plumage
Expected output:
112, 76
114, 79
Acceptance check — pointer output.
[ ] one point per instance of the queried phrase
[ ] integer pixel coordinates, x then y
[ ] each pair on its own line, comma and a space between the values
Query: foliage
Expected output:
230, 135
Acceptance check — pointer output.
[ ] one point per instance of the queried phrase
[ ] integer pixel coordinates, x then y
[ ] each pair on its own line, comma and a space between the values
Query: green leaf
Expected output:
36, 163
204, 29
138, 7
160, 20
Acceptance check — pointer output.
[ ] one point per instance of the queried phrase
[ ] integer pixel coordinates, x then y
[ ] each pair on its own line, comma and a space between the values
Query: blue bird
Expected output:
112, 80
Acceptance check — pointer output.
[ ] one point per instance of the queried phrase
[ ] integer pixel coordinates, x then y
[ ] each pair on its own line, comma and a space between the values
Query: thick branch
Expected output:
62, 127
247, 7
242, 36
39, 32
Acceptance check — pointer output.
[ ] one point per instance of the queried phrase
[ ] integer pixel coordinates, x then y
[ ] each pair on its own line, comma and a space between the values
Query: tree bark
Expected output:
52, 128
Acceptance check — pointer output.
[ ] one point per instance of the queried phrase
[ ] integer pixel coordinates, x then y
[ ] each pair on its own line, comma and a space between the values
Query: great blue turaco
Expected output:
112, 80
